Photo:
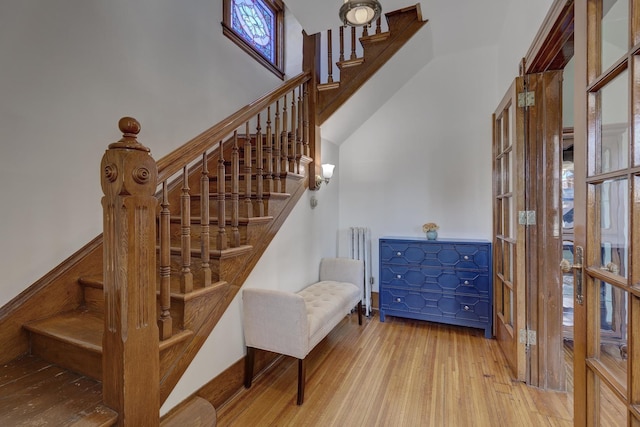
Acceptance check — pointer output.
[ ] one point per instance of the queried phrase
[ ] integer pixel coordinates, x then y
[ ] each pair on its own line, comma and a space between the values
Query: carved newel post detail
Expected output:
130, 344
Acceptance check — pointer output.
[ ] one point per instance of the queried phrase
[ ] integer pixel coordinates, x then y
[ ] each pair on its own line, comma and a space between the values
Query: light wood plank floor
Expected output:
397, 373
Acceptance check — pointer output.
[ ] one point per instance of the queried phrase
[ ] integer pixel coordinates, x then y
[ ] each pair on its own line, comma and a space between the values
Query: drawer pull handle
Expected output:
398, 253
466, 308
399, 276
398, 299
466, 282
466, 257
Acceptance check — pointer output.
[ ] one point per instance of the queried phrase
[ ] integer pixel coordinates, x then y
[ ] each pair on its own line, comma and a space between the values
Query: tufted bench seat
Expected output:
293, 323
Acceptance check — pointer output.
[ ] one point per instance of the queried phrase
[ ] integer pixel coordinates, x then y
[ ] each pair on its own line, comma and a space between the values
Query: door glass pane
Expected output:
614, 225
612, 411
612, 332
614, 133
615, 31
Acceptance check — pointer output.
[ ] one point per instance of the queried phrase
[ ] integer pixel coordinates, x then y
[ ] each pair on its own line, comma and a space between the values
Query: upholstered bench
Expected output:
293, 323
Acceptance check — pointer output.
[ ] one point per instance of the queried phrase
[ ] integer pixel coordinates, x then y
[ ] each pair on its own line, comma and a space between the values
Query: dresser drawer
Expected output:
436, 254
437, 306
434, 279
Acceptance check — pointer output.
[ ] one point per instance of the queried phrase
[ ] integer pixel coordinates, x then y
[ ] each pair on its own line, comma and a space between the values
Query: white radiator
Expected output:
360, 248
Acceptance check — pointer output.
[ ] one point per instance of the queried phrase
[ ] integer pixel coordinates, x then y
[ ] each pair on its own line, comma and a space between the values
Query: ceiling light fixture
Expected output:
358, 13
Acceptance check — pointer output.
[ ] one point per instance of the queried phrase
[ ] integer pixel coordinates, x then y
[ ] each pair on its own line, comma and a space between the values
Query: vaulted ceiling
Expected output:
454, 26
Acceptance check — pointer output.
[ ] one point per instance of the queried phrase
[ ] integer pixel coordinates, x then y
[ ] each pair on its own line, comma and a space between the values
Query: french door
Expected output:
610, 272
508, 240
527, 210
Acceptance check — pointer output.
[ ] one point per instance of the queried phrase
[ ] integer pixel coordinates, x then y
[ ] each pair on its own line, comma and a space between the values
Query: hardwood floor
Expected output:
397, 373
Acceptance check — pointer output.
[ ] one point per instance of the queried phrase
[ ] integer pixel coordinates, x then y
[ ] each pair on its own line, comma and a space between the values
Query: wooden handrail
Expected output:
175, 160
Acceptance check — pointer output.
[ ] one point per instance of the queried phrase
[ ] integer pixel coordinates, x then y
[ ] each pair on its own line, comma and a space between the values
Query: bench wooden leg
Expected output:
359, 312
248, 366
301, 380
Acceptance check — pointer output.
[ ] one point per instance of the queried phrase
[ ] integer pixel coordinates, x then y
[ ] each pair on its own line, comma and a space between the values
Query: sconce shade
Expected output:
358, 13
327, 171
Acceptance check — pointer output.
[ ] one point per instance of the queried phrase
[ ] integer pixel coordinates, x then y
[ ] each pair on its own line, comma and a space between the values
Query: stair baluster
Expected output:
329, 58
305, 120
341, 58
284, 139
277, 151
222, 232
268, 151
165, 323
247, 172
235, 173
186, 284
259, 169
353, 43
291, 140
204, 222
379, 25
299, 147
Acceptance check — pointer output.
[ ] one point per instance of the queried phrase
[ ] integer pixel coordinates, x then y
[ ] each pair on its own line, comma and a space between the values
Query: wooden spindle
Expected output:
221, 239
284, 140
268, 151
365, 31
259, 168
353, 43
186, 281
299, 131
165, 323
277, 151
235, 178
341, 44
305, 125
204, 223
329, 58
378, 25
292, 134
247, 172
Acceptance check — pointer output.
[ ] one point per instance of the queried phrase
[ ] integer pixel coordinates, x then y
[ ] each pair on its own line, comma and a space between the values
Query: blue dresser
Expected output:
444, 280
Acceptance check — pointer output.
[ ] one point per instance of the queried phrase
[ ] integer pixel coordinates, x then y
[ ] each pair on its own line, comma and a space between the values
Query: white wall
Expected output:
425, 156
70, 70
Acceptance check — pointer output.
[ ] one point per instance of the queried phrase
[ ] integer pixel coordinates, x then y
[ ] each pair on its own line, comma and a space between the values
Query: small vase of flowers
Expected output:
431, 230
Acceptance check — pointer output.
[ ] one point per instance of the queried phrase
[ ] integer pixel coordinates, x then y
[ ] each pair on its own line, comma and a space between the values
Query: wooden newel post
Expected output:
130, 360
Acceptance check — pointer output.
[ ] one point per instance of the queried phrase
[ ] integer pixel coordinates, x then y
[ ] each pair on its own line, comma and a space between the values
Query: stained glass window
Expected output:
257, 27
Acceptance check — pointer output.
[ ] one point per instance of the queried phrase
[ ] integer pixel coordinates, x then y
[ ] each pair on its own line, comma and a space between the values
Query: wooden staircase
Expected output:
53, 334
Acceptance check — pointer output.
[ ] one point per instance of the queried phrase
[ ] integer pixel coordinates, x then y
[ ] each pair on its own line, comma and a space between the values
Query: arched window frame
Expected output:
275, 64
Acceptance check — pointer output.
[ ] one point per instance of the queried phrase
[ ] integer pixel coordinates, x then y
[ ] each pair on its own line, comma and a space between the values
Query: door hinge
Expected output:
526, 99
528, 337
527, 217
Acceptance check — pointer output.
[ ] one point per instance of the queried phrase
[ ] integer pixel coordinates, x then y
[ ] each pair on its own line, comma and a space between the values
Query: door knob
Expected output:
566, 267
611, 268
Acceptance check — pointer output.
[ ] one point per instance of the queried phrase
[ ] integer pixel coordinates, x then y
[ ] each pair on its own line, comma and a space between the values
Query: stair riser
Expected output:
195, 233
67, 355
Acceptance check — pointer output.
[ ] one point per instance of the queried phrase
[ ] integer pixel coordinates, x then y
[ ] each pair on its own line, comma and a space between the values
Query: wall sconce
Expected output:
358, 13
327, 173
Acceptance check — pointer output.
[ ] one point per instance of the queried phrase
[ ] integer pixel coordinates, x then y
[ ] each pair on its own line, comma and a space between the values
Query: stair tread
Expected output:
80, 327
84, 328
35, 392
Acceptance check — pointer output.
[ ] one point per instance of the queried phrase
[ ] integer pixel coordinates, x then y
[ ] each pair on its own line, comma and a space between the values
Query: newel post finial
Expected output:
130, 343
